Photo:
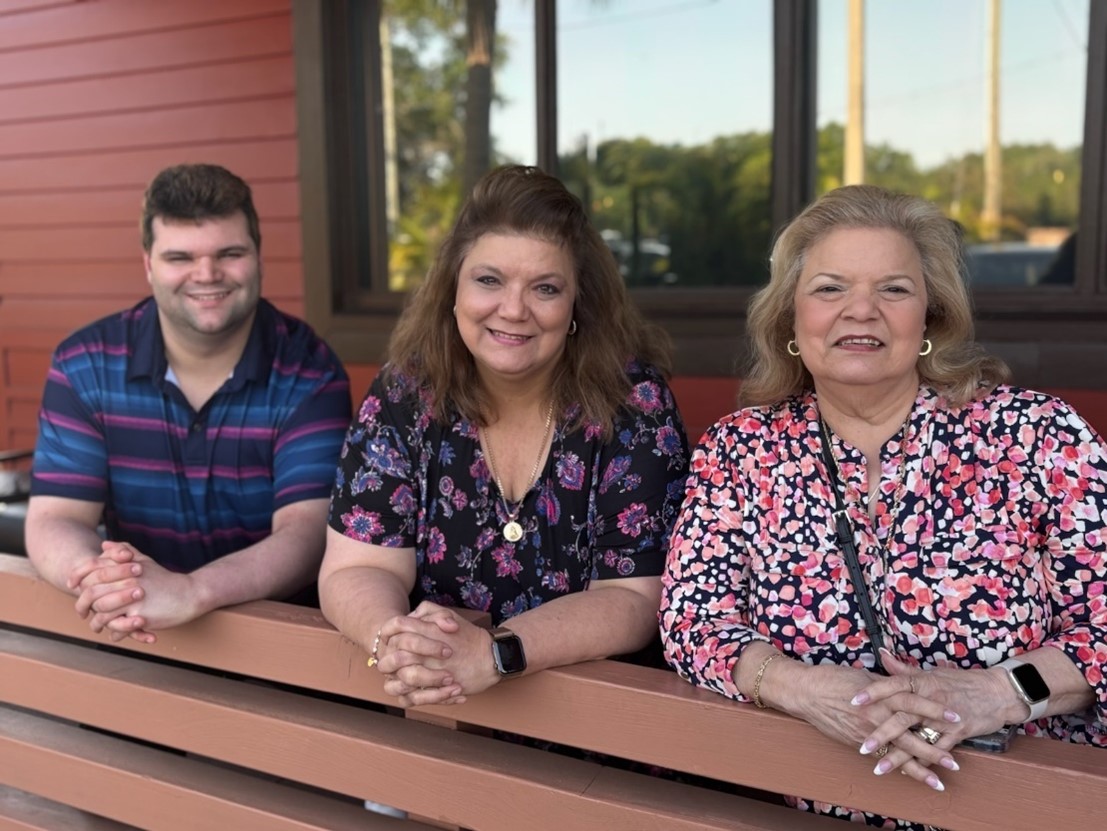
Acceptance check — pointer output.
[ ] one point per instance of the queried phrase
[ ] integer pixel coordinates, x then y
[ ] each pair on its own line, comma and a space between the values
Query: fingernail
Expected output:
447, 652
882, 767
868, 747
136, 570
949, 715
859, 699
949, 763
934, 782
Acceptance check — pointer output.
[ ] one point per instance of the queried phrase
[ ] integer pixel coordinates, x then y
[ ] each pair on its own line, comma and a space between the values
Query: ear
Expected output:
146, 264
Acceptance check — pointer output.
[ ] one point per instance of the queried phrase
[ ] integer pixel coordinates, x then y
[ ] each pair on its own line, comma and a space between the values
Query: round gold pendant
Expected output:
513, 531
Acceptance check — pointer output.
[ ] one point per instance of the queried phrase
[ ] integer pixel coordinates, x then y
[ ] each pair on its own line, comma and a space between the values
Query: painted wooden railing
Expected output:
264, 717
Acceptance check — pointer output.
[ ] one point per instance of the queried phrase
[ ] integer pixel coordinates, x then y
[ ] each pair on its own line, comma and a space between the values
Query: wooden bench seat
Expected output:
275, 692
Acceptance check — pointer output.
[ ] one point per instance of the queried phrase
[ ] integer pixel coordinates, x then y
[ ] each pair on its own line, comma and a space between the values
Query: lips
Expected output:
858, 340
496, 333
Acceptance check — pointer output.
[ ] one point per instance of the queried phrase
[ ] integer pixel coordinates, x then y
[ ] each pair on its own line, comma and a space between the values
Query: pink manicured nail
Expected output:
882, 767
934, 782
860, 698
949, 764
949, 715
868, 747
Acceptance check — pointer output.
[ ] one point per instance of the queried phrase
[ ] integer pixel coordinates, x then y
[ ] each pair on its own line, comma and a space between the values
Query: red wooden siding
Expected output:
95, 98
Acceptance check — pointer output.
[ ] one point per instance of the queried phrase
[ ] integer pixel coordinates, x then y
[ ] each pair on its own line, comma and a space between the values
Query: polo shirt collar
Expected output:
147, 359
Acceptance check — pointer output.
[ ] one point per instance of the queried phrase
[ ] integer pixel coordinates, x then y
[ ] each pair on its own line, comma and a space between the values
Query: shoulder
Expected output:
769, 423
296, 342
1008, 407
109, 336
395, 397
649, 391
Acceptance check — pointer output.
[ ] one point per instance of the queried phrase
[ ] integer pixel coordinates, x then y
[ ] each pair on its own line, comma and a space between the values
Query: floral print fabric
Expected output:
599, 510
998, 545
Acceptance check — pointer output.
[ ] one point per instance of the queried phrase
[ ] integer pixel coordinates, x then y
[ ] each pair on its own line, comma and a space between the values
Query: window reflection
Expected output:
457, 96
664, 118
926, 117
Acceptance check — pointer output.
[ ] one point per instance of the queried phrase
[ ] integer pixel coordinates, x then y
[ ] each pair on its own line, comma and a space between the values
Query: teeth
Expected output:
860, 341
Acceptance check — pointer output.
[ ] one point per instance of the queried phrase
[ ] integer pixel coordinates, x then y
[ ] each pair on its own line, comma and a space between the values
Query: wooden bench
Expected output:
267, 718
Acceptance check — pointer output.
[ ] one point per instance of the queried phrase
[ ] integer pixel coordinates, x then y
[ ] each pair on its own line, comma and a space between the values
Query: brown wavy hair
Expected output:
957, 367
592, 370
196, 192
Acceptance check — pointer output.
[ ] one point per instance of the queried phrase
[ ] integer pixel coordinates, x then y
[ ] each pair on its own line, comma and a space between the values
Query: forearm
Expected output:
56, 545
358, 600
586, 626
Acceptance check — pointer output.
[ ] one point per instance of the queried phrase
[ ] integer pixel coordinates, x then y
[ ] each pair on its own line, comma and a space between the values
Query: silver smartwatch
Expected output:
1029, 685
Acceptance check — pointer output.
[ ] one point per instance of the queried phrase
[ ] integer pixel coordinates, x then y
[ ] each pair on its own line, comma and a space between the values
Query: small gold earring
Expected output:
928, 347
793, 349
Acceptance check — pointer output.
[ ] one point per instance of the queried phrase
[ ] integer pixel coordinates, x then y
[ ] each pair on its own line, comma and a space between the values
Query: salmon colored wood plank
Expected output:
267, 119
24, 368
452, 777
254, 161
703, 401
361, 376
61, 316
155, 789
21, 811
114, 18
261, 78
603, 706
207, 43
273, 201
115, 278
280, 240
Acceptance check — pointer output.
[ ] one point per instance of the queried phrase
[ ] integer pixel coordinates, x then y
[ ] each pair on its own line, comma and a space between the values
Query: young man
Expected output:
202, 427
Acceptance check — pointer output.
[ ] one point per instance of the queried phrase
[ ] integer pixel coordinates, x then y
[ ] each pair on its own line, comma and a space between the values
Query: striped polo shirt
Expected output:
182, 486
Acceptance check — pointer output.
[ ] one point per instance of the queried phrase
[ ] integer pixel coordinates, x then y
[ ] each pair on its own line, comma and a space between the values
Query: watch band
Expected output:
1037, 706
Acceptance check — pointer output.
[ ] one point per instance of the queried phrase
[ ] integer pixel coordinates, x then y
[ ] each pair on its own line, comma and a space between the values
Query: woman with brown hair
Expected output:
520, 454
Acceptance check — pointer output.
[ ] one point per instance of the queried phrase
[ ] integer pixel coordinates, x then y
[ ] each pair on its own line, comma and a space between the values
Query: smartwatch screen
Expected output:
1031, 682
509, 654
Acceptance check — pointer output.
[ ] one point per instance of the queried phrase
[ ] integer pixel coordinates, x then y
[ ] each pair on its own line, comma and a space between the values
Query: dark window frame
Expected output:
344, 229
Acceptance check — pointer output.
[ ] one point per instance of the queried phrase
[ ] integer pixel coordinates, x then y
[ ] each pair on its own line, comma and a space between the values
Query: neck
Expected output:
514, 401
867, 417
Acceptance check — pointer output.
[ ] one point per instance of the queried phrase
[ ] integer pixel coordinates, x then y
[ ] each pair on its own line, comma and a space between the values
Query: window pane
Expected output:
434, 63
664, 118
926, 118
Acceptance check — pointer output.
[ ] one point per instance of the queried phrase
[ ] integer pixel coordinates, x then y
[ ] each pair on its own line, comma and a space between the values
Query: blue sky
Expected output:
686, 71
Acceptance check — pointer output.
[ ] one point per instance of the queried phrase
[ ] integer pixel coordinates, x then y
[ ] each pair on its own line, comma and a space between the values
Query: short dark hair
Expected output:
196, 192
610, 332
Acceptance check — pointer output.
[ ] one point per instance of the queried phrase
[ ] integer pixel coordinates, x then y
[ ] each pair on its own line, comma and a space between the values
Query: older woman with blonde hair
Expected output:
520, 454
887, 541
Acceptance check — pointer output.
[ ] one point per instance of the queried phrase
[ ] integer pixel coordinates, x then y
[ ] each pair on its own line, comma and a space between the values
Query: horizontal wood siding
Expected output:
95, 98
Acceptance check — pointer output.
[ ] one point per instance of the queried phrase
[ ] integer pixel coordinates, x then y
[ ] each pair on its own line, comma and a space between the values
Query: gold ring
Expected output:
928, 734
882, 751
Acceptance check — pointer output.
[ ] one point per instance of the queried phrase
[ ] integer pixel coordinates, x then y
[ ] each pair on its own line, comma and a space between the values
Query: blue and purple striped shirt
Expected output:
182, 486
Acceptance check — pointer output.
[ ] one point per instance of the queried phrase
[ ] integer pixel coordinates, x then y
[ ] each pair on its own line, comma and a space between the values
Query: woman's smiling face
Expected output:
860, 307
514, 304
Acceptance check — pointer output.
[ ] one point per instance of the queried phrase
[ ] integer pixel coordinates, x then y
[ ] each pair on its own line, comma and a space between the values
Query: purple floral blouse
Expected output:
599, 510
998, 545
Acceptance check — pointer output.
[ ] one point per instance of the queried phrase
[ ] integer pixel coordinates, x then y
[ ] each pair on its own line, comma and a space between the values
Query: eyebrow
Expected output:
180, 252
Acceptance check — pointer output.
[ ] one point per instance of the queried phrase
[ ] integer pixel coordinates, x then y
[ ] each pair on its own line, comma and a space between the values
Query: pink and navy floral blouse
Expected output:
599, 510
998, 545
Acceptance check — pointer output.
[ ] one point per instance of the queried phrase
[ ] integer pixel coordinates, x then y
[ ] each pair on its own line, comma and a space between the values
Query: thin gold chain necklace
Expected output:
513, 531
901, 479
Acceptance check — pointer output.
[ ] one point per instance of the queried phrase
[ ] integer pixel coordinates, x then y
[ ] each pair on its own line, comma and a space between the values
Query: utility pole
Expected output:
854, 173
990, 217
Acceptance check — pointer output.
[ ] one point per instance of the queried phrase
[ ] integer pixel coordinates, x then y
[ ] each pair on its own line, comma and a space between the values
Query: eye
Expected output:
827, 288
232, 255
548, 290
178, 258
897, 289
487, 279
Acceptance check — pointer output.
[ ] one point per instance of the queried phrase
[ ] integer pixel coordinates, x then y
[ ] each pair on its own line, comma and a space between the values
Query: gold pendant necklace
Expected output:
512, 530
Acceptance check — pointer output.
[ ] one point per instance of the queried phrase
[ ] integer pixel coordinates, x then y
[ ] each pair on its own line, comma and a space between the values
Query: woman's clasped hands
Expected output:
434, 656
924, 715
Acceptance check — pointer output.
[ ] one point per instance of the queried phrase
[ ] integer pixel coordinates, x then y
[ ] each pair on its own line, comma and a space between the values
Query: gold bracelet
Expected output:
761, 705
372, 662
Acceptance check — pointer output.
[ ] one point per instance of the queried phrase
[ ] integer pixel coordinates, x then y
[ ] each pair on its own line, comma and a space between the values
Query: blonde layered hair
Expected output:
610, 332
957, 367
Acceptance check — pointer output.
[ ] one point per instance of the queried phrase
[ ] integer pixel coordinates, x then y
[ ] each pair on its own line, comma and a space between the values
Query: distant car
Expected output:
653, 260
1008, 264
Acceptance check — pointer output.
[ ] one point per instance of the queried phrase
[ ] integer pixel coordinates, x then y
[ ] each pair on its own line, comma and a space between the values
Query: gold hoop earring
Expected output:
928, 347
572, 327
792, 348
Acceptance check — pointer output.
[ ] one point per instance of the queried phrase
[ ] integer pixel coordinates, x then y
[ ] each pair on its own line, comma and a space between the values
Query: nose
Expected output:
205, 271
513, 304
862, 304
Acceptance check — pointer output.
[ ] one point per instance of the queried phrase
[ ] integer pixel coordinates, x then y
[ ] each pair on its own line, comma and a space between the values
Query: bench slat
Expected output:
22, 811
